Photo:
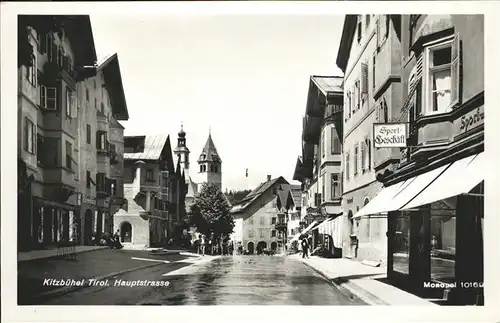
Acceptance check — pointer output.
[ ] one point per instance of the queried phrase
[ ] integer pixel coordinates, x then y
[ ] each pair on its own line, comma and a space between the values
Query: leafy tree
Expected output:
210, 212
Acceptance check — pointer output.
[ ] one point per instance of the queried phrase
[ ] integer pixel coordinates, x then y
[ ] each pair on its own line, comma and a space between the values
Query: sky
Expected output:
245, 77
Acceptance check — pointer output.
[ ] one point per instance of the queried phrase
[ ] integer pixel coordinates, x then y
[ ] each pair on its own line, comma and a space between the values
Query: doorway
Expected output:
274, 246
251, 248
126, 232
261, 246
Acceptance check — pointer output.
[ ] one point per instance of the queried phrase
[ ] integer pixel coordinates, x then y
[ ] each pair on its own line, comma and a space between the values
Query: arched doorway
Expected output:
274, 245
250, 247
261, 246
126, 232
87, 227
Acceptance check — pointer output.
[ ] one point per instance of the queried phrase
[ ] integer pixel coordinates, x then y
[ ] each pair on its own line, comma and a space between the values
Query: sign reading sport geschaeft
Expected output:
389, 135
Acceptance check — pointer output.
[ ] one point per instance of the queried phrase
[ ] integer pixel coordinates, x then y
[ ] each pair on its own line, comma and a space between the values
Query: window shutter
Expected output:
364, 79
369, 153
33, 137
74, 107
455, 71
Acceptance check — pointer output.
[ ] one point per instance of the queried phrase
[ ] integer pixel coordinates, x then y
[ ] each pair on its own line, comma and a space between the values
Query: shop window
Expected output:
443, 241
401, 243
441, 76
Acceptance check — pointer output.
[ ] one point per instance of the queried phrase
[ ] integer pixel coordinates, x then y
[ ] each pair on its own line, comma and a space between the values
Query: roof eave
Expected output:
346, 41
112, 75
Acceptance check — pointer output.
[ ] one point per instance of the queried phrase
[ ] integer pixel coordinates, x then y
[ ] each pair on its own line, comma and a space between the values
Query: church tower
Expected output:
210, 163
182, 152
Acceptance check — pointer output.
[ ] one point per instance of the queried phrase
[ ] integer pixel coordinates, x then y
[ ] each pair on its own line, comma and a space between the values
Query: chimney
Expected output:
268, 178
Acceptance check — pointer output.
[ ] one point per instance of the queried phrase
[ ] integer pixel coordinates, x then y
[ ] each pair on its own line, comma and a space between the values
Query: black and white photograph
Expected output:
249, 159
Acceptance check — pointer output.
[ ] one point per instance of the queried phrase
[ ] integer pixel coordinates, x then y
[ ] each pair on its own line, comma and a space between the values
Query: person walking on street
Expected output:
305, 248
202, 245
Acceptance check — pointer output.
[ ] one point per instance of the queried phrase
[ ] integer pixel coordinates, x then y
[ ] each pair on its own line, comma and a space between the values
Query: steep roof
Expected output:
256, 193
328, 84
285, 194
112, 75
153, 147
296, 192
209, 152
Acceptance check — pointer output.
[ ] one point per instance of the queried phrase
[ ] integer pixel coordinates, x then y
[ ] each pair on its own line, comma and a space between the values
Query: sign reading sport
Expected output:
389, 135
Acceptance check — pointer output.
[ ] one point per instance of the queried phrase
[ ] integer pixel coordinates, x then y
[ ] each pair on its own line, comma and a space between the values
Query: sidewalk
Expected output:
362, 281
49, 253
96, 264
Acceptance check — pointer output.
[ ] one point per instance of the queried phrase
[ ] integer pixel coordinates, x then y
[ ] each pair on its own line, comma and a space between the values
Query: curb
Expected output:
351, 287
66, 290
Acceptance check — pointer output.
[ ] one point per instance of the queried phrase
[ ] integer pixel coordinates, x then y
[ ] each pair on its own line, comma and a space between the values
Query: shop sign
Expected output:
89, 200
469, 121
389, 135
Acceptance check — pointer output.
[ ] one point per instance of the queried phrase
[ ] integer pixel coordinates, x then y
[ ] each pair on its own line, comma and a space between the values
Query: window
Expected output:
374, 60
364, 81
368, 153
201, 168
149, 175
69, 160
273, 220
60, 57
323, 144
48, 97
261, 220
273, 233
363, 156
88, 179
51, 152
29, 136
348, 100
89, 134
367, 21
87, 93
261, 233
441, 81
356, 160
250, 233
335, 141
347, 166
335, 186
317, 199
101, 140
69, 99
250, 221
358, 95
31, 72
383, 111
101, 182
381, 30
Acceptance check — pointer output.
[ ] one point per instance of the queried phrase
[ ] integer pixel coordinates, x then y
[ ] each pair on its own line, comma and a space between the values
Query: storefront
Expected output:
435, 218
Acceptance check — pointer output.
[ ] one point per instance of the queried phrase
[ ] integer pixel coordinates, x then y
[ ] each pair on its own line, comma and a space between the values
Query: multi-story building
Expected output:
294, 214
100, 143
369, 56
256, 216
434, 196
56, 55
320, 169
154, 189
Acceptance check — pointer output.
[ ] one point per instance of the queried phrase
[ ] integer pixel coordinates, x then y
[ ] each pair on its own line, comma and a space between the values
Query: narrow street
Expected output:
231, 280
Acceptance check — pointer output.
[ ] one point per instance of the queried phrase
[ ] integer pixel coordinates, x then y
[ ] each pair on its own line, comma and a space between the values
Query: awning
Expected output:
460, 178
317, 225
399, 196
323, 227
308, 228
295, 238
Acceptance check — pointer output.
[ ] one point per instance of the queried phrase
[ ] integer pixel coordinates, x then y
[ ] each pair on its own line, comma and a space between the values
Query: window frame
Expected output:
356, 153
32, 71
30, 136
149, 175
335, 182
347, 166
453, 42
335, 139
69, 103
89, 134
69, 155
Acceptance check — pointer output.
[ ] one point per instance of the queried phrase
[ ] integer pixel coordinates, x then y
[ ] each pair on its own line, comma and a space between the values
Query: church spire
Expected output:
209, 152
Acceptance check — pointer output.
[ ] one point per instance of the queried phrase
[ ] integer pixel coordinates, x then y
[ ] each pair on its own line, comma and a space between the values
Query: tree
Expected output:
210, 212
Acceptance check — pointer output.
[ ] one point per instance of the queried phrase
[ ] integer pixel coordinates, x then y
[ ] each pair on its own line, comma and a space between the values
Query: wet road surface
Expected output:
230, 280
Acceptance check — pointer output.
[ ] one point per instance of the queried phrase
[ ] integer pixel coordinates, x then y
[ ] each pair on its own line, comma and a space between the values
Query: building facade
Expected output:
100, 143
256, 217
319, 169
369, 55
434, 195
56, 55
154, 189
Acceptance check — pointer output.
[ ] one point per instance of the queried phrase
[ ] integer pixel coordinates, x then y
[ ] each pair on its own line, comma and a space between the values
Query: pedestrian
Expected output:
116, 239
202, 244
305, 247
